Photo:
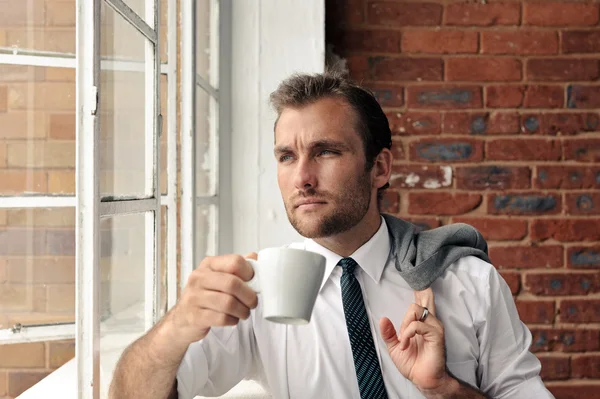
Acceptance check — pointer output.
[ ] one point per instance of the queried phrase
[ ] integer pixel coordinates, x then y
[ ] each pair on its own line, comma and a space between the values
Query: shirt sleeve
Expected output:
507, 369
215, 364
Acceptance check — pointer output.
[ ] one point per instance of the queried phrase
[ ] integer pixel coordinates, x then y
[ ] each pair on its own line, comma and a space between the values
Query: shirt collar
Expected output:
372, 256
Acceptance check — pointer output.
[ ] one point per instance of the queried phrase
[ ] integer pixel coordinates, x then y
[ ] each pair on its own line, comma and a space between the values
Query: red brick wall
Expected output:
494, 113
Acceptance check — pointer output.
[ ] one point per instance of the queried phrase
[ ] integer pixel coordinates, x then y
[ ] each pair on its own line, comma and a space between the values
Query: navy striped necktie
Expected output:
368, 372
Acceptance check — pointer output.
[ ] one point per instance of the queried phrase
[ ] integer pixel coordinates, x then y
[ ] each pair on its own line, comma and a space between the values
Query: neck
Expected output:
346, 243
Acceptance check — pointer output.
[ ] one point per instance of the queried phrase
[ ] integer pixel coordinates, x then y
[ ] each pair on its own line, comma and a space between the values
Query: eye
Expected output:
285, 158
326, 152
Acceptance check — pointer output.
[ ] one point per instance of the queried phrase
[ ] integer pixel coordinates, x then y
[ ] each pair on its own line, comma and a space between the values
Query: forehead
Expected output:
326, 118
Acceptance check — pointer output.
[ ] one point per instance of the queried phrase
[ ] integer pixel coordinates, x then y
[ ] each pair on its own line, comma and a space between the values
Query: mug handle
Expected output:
254, 283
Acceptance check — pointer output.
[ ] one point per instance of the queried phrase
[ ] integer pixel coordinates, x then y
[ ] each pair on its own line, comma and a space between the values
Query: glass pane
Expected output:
123, 108
206, 32
163, 260
205, 229
29, 25
206, 148
139, 6
122, 283
164, 110
164, 13
37, 130
37, 266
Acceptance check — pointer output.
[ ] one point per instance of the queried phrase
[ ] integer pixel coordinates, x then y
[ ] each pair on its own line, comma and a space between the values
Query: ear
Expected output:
382, 169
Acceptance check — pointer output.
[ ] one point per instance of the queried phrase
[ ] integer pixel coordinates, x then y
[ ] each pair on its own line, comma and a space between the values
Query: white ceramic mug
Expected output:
288, 280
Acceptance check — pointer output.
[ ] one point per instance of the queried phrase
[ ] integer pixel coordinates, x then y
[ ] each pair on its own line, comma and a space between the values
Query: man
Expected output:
376, 331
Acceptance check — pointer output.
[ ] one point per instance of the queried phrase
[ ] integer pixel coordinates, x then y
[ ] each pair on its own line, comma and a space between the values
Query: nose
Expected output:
304, 176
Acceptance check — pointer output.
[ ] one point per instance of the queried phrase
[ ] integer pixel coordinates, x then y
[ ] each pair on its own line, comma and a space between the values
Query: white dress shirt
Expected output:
487, 344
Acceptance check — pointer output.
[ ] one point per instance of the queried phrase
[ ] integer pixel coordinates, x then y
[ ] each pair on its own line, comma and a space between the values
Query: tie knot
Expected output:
348, 265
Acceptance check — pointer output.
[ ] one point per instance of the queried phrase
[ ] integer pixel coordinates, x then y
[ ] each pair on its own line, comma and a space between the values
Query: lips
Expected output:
308, 202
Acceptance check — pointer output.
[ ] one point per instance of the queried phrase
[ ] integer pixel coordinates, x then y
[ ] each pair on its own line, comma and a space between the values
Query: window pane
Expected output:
29, 25
164, 110
164, 13
37, 130
206, 232
123, 108
37, 266
163, 260
206, 147
205, 33
122, 262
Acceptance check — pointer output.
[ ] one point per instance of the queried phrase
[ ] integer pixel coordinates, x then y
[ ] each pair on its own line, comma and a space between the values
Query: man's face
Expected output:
321, 168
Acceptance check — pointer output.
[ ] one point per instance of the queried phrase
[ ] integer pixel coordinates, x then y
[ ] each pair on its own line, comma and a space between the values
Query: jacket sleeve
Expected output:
507, 369
214, 365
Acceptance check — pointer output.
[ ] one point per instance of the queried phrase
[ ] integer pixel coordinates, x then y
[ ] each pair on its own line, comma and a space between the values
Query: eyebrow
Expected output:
319, 144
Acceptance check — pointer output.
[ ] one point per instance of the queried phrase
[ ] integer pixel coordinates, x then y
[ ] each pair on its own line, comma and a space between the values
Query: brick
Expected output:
495, 177
40, 217
567, 177
562, 284
387, 95
407, 69
536, 312
414, 176
371, 40
559, 124
60, 352
547, 256
23, 125
504, 96
554, 367
586, 41
483, 14
56, 40
359, 67
415, 123
470, 69
61, 182
22, 298
442, 203
566, 230
520, 42
60, 13
68, 75
513, 280
570, 14
60, 242
583, 257
564, 340
583, 97
496, 229
398, 149
582, 150
446, 150
41, 154
423, 224
444, 97
3, 383
405, 14
390, 203
62, 126
562, 69
2, 155
3, 98
19, 14
538, 96
580, 311
61, 298
19, 182
583, 204
439, 42
343, 12
585, 366
478, 123
20, 381
523, 150
524, 204
54, 96
15, 242
38, 270
575, 391
30, 355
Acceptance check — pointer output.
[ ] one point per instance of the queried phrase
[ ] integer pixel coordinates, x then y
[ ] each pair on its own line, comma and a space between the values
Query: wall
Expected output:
494, 113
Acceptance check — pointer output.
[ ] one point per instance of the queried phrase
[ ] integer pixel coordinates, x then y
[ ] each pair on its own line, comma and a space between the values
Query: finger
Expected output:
232, 264
413, 313
388, 333
217, 319
425, 298
229, 284
430, 333
252, 255
223, 303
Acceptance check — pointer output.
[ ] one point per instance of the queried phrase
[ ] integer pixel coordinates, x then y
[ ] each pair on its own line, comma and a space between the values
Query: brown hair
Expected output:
303, 89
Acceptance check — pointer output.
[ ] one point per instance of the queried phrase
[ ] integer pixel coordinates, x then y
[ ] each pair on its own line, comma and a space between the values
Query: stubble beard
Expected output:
350, 207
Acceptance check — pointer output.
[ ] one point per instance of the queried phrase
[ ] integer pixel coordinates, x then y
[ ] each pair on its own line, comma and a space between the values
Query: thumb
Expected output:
388, 333
251, 255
